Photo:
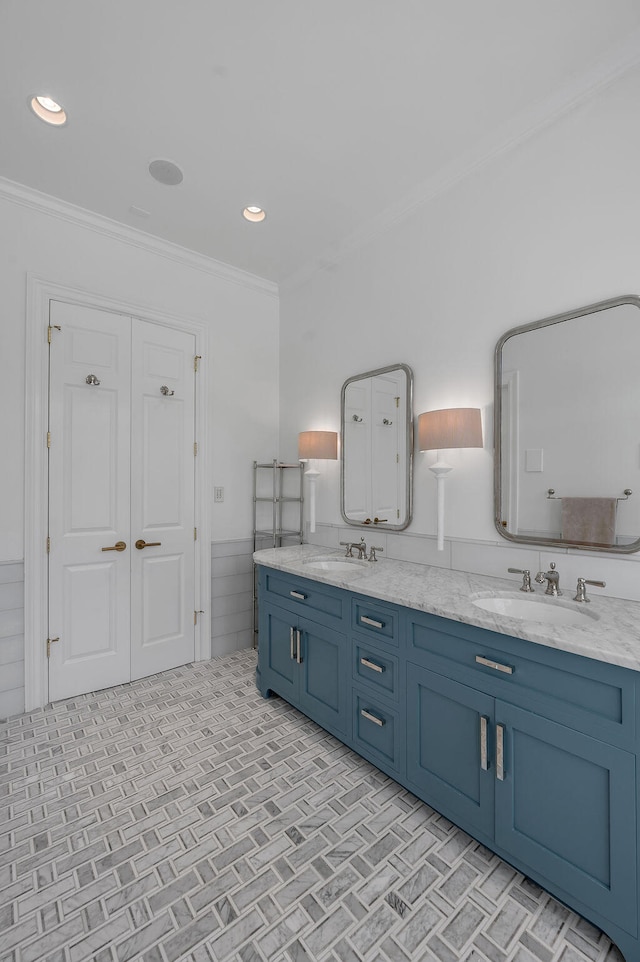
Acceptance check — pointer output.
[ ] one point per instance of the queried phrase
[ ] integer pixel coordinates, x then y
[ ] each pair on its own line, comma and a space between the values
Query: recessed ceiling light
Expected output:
254, 214
166, 172
48, 110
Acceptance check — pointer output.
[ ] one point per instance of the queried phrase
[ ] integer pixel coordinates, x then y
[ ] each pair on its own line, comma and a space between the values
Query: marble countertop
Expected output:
610, 633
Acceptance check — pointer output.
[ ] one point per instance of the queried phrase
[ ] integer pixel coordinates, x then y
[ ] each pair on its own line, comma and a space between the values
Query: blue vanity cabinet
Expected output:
530, 749
300, 658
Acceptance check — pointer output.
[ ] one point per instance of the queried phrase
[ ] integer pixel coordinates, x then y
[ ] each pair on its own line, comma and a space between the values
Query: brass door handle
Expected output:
118, 546
141, 543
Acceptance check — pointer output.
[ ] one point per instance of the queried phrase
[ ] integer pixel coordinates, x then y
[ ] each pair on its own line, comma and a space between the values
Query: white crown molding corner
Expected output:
609, 68
45, 203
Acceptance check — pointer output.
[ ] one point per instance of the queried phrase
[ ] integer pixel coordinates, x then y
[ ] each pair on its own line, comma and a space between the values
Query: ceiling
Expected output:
330, 115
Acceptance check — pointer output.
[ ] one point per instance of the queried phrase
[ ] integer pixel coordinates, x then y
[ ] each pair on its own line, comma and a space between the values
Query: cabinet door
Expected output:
324, 675
566, 807
279, 670
445, 723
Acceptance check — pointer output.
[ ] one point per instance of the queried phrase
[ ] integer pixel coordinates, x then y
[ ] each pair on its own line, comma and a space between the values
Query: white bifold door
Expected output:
121, 499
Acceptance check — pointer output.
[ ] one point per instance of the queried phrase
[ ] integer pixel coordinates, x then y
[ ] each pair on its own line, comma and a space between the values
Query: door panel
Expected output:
121, 469
89, 475
325, 673
572, 825
443, 756
162, 498
281, 669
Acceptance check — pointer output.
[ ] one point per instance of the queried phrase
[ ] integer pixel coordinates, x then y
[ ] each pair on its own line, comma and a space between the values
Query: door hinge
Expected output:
48, 545
195, 448
50, 641
197, 358
195, 534
195, 616
397, 402
48, 439
50, 329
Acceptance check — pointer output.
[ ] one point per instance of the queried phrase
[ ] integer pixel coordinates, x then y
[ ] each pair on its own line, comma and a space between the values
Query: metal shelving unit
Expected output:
277, 512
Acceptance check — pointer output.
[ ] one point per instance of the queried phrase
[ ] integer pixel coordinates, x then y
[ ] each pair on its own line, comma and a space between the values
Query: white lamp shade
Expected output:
450, 428
322, 445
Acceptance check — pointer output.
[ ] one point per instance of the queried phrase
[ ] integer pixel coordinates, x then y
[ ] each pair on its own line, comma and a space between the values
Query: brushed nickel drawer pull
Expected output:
298, 595
371, 717
507, 669
371, 622
372, 665
500, 752
484, 755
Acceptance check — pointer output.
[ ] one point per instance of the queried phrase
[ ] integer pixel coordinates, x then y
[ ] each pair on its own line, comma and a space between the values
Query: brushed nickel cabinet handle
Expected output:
500, 752
372, 665
488, 663
292, 643
371, 622
141, 543
118, 546
299, 647
371, 717
298, 595
484, 754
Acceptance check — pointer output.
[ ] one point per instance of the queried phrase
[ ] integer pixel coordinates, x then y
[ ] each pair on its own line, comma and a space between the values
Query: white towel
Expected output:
589, 520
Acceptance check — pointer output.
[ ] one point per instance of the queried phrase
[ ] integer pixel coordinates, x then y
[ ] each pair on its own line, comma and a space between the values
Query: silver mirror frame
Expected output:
409, 446
497, 428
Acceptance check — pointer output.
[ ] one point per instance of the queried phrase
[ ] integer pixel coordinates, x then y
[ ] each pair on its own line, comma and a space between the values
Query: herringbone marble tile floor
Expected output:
184, 817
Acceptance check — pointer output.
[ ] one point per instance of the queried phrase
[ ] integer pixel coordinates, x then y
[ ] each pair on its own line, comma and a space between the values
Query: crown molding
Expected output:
80, 217
619, 60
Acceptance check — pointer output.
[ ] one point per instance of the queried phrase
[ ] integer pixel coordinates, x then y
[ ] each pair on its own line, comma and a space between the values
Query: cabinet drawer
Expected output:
375, 619
375, 731
597, 697
376, 668
300, 595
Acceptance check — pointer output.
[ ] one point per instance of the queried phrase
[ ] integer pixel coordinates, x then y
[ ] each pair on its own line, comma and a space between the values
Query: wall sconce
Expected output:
448, 428
316, 446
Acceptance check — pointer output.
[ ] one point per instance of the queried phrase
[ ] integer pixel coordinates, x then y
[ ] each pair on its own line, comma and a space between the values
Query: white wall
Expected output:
243, 361
546, 227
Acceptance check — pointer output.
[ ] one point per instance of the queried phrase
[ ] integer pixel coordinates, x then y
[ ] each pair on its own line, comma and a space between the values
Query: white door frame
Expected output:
39, 292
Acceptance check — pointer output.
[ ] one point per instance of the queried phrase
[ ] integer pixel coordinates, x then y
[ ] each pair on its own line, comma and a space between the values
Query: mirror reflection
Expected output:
377, 448
566, 433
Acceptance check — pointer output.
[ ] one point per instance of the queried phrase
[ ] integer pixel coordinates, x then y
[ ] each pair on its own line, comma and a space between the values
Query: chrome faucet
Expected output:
552, 578
362, 549
360, 545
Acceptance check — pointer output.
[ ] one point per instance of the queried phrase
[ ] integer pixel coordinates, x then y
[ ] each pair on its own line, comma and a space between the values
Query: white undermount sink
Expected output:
547, 611
352, 565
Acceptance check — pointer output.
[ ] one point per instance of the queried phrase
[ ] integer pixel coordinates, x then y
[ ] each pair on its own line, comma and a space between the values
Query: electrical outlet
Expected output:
218, 494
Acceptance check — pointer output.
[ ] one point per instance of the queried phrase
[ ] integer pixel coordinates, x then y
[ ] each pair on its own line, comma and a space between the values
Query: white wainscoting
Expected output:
11, 638
231, 596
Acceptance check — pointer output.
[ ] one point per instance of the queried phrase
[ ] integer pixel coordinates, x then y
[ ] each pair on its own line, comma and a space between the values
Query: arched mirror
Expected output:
376, 484
567, 429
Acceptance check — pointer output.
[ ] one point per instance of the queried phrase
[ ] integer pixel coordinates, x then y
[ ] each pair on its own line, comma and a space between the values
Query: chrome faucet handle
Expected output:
526, 577
372, 552
348, 546
581, 590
